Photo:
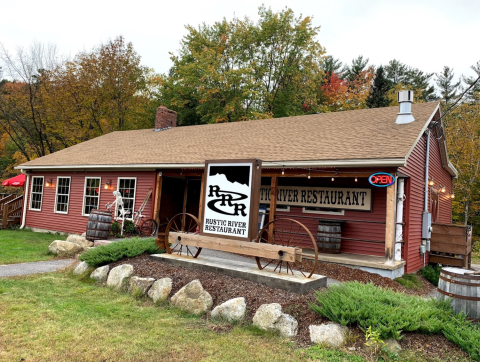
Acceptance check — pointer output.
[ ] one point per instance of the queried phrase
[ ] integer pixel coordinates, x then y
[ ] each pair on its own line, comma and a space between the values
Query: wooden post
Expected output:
390, 225
158, 198
202, 200
273, 206
185, 192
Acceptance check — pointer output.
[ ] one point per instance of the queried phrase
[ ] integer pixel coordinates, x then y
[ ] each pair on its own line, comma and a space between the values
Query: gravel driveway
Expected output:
12, 270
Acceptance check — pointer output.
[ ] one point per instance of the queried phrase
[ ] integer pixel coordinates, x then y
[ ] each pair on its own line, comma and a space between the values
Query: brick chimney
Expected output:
165, 118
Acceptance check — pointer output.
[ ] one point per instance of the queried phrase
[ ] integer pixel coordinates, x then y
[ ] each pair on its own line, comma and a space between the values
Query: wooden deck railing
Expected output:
451, 245
10, 209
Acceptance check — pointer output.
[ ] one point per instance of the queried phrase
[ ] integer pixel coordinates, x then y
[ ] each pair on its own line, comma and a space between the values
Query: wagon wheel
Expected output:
287, 232
182, 223
148, 228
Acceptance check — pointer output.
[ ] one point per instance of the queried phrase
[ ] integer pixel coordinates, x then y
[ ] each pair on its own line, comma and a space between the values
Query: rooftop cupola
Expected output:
405, 100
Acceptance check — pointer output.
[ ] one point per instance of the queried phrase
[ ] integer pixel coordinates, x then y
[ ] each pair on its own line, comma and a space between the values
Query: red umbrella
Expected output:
16, 181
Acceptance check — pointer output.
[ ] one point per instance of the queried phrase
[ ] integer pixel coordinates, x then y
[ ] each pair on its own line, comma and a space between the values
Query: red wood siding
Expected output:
359, 225
74, 222
415, 188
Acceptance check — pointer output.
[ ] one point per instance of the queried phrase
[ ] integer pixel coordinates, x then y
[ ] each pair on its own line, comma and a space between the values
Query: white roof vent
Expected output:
405, 100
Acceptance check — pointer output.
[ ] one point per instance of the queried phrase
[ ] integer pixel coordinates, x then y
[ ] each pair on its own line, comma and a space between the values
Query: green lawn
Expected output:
22, 246
476, 257
54, 317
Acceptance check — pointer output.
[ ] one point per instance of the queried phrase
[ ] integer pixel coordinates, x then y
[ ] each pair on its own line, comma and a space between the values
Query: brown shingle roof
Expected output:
351, 135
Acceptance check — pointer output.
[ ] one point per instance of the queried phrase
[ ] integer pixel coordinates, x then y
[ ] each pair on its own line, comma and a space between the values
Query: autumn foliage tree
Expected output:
238, 70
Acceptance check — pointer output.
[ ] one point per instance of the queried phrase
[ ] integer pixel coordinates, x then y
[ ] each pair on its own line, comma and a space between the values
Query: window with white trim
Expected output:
36, 193
91, 194
63, 195
127, 188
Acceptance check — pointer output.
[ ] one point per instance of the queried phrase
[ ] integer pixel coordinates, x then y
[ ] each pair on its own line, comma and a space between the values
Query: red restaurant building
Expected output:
320, 166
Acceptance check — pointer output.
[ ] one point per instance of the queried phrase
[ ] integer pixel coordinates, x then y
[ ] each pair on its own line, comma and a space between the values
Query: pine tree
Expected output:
358, 66
448, 89
332, 65
378, 96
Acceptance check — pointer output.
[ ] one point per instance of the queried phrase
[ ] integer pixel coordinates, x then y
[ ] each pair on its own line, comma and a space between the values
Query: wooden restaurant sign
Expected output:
325, 197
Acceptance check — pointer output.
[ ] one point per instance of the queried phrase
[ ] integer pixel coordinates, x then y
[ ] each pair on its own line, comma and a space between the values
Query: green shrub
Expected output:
464, 334
390, 313
431, 273
128, 248
128, 226
387, 312
115, 229
410, 281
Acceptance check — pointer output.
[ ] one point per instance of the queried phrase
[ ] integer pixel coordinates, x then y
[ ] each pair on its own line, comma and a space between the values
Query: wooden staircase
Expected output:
10, 210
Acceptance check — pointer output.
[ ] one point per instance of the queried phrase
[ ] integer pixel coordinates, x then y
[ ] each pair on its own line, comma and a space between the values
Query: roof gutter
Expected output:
394, 162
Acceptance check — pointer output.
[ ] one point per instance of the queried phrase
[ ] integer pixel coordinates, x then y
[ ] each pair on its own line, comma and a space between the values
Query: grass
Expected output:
410, 281
54, 317
476, 257
22, 246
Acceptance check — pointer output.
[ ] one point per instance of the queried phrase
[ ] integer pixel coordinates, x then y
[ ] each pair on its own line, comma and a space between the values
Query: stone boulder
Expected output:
81, 268
100, 274
193, 298
119, 276
232, 310
330, 334
79, 240
160, 289
140, 284
392, 345
270, 317
64, 249
101, 242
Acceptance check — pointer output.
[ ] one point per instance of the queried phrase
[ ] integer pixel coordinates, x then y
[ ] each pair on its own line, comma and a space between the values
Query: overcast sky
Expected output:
426, 34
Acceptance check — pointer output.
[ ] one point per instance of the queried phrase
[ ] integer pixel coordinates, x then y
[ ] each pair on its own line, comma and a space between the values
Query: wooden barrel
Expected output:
463, 289
98, 225
328, 237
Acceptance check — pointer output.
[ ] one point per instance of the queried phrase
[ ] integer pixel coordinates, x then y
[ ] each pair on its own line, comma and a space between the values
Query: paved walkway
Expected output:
12, 270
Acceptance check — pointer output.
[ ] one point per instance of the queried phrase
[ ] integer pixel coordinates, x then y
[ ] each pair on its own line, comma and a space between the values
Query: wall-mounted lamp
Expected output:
48, 183
356, 179
430, 182
309, 174
283, 171
452, 195
443, 188
108, 184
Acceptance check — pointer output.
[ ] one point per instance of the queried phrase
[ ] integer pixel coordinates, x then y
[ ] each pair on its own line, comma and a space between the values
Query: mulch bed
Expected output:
223, 288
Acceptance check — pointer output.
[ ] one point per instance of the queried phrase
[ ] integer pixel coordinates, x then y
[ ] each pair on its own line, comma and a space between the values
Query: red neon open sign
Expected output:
381, 179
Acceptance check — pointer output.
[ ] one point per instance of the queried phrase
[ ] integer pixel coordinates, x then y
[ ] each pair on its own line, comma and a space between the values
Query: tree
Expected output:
448, 89
238, 70
378, 96
359, 65
332, 65
463, 139
402, 76
474, 93
22, 112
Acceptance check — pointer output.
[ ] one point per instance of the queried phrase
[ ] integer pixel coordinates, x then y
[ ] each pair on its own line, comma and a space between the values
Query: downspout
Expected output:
25, 197
399, 219
425, 208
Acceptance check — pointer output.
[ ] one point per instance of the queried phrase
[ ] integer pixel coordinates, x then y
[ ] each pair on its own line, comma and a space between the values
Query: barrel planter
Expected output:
329, 237
98, 225
462, 289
